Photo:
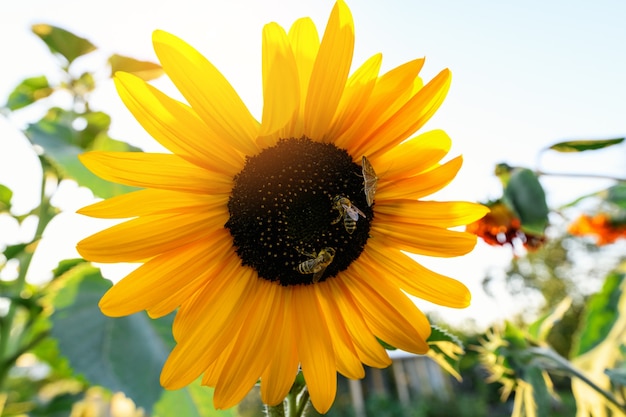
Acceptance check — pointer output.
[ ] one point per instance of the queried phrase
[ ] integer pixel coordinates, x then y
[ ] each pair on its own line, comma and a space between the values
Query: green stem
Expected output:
44, 215
565, 365
275, 410
579, 175
303, 403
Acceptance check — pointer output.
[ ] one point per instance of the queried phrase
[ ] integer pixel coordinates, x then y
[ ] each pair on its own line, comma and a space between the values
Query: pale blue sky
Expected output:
525, 74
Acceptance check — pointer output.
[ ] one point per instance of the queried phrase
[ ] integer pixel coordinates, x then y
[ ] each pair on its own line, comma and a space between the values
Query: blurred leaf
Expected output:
617, 376
106, 143
122, 354
386, 345
96, 124
526, 197
194, 400
28, 91
535, 377
59, 406
5, 198
601, 312
84, 84
62, 42
58, 142
540, 329
66, 265
584, 145
447, 350
12, 251
143, 69
617, 195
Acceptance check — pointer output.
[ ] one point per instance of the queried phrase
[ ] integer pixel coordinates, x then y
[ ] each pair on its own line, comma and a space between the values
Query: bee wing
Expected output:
318, 275
352, 211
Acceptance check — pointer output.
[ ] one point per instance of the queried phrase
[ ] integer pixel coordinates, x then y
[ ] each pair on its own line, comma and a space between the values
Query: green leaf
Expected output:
617, 376
62, 42
584, 145
143, 69
526, 197
58, 142
601, 313
122, 354
29, 91
617, 195
194, 400
447, 350
12, 251
540, 329
67, 265
5, 198
541, 395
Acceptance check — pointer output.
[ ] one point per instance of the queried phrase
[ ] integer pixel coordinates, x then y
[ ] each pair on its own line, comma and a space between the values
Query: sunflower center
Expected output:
298, 213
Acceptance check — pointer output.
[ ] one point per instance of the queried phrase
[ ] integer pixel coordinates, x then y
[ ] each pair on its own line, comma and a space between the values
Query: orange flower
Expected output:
502, 227
606, 229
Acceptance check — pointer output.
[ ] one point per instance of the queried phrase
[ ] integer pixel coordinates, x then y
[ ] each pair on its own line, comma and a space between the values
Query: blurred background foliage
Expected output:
59, 356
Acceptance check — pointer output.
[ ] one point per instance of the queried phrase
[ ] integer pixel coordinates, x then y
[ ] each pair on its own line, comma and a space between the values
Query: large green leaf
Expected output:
123, 354
62, 42
600, 314
584, 145
59, 142
143, 69
193, 401
526, 197
28, 91
617, 195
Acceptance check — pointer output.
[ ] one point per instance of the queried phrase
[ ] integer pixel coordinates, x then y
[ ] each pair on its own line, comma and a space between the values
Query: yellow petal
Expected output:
208, 92
408, 119
190, 265
305, 43
210, 321
370, 351
390, 92
414, 278
413, 156
330, 72
281, 92
433, 213
212, 374
424, 240
348, 363
420, 185
281, 371
388, 312
315, 348
176, 298
153, 170
176, 126
354, 99
254, 346
151, 201
147, 236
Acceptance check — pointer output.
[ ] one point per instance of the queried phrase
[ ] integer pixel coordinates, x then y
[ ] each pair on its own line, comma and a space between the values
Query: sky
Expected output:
525, 75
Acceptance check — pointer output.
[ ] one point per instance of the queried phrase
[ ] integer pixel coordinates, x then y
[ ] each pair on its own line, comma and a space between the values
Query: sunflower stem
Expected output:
44, 215
277, 410
303, 403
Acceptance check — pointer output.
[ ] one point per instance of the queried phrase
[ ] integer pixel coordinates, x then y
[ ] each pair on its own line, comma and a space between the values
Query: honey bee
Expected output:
370, 180
348, 211
318, 264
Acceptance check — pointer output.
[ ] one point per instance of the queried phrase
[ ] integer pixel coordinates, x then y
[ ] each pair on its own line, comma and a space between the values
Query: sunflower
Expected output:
281, 243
